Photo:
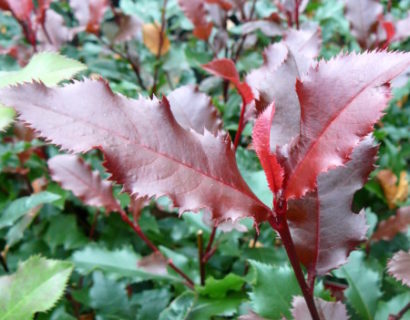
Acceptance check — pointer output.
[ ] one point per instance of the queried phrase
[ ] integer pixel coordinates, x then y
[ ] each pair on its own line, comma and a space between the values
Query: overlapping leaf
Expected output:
275, 81
144, 146
225, 68
340, 102
194, 109
324, 228
75, 175
363, 17
195, 11
89, 13
394, 225
399, 267
326, 309
261, 142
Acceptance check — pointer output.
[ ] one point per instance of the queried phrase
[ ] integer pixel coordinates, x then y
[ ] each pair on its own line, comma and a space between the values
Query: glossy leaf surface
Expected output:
354, 102
75, 175
148, 165
323, 226
399, 267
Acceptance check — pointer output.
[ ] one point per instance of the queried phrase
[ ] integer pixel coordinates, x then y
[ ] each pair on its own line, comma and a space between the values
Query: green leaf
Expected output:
21, 206
109, 298
35, 287
218, 288
151, 303
393, 306
272, 290
71, 238
119, 263
179, 308
48, 67
364, 285
6, 117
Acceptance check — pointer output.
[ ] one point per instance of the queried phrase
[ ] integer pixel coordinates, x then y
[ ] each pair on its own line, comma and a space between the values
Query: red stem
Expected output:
297, 3
401, 313
240, 125
152, 246
211, 240
280, 224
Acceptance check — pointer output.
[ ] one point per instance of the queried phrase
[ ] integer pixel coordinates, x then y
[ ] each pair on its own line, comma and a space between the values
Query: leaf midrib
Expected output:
248, 195
328, 124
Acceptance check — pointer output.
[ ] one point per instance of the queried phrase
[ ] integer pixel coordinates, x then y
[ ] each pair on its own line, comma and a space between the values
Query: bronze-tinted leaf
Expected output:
323, 226
75, 175
363, 17
327, 310
399, 267
145, 148
340, 100
154, 263
195, 11
194, 109
261, 142
388, 229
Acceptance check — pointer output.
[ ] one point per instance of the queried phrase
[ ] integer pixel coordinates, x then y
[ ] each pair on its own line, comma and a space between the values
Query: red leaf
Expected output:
275, 82
323, 227
305, 45
340, 102
326, 309
43, 6
224, 4
144, 146
21, 9
75, 175
57, 32
154, 263
225, 68
267, 27
394, 225
260, 137
194, 109
128, 27
363, 17
195, 11
89, 13
399, 267
402, 29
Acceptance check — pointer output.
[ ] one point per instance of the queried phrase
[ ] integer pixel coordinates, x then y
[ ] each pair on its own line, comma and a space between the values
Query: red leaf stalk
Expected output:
240, 125
152, 246
280, 224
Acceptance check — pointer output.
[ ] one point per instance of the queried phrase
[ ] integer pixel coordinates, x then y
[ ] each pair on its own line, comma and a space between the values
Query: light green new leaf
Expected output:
272, 290
36, 286
364, 285
48, 67
21, 206
218, 288
118, 263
